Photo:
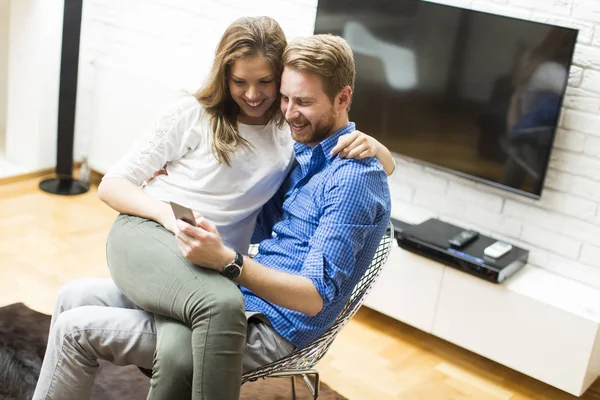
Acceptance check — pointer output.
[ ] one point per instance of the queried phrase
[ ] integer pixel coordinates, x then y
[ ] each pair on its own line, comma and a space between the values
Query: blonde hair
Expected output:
328, 56
247, 37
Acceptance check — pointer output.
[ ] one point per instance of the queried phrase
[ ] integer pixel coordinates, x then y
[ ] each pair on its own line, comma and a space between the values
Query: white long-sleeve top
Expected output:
228, 196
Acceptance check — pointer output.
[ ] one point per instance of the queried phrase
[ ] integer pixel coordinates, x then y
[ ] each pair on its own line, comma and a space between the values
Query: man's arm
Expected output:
294, 292
203, 246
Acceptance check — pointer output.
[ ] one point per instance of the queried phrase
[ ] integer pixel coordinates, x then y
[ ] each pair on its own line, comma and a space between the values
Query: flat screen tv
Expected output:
469, 92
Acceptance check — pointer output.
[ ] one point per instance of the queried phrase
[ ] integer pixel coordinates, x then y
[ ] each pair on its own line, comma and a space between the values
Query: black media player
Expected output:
430, 239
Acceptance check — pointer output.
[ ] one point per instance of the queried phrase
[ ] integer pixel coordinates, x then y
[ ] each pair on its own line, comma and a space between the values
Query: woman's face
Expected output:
253, 86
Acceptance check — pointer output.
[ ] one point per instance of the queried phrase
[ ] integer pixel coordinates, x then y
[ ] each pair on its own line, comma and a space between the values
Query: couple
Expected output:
173, 304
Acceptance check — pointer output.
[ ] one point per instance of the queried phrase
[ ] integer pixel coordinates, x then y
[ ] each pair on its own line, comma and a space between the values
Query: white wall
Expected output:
4, 18
164, 46
33, 76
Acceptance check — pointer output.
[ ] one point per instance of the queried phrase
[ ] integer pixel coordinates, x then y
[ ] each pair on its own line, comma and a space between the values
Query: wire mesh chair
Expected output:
301, 362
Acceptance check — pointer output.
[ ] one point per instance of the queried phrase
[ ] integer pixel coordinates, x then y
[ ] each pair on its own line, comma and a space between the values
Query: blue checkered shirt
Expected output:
325, 224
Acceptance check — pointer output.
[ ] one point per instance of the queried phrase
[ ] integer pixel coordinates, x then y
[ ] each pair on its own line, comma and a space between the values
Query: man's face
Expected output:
307, 109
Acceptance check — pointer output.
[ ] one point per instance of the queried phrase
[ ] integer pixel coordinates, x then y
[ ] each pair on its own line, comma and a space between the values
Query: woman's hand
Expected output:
166, 217
359, 145
356, 145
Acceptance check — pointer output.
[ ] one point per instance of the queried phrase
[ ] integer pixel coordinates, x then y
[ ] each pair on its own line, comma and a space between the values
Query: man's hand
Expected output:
202, 245
356, 145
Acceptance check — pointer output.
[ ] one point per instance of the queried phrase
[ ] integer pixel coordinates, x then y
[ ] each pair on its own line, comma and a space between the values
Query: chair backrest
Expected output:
308, 356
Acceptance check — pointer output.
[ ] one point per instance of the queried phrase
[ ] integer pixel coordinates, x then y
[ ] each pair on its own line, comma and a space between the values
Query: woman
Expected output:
226, 153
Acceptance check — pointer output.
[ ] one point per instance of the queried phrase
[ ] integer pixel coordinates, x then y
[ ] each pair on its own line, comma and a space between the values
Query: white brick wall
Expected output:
570, 140
172, 43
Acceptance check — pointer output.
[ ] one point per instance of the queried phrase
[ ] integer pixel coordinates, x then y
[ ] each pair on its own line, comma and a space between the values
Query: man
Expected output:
319, 234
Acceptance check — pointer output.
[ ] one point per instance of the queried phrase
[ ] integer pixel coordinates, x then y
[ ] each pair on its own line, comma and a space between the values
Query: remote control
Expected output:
463, 238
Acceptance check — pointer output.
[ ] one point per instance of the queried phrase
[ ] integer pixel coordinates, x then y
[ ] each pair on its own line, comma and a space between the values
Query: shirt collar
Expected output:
327, 144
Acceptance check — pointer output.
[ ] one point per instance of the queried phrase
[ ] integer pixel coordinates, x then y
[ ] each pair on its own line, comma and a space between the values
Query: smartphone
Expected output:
183, 213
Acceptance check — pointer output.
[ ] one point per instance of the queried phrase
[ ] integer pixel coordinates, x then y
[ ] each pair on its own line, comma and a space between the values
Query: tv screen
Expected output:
473, 93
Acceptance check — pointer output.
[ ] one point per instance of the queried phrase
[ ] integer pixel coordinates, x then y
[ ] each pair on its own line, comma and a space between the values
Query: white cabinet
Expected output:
538, 323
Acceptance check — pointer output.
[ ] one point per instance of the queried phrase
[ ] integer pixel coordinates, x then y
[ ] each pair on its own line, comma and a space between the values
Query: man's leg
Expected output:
82, 335
85, 292
263, 344
89, 292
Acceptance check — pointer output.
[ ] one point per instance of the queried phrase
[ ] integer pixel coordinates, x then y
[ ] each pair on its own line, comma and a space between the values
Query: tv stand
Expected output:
536, 322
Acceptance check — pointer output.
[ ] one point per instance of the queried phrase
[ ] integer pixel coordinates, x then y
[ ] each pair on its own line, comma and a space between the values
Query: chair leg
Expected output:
312, 387
317, 384
293, 387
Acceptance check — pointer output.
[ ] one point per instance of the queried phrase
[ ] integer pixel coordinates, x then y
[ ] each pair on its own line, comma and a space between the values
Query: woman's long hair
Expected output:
247, 37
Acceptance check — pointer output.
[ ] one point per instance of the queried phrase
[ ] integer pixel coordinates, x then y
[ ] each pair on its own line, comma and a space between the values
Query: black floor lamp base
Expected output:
64, 186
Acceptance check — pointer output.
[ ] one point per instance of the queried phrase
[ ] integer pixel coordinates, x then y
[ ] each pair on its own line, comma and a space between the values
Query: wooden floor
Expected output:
47, 240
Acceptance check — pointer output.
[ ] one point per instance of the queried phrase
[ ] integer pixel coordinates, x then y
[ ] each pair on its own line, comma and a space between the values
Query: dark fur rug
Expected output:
23, 336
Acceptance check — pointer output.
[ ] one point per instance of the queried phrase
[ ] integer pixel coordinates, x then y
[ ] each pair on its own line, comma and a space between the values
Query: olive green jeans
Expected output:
147, 266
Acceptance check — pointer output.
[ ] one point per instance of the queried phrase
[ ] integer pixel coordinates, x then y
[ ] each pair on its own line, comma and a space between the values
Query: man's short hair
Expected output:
328, 56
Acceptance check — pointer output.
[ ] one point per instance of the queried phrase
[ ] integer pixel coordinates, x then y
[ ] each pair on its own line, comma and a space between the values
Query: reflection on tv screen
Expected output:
474, 93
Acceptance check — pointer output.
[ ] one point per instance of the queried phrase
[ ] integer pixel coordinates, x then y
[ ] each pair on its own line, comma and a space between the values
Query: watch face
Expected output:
232, 271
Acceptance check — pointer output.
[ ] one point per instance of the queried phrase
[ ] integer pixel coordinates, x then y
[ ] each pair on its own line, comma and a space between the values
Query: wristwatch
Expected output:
234, 268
